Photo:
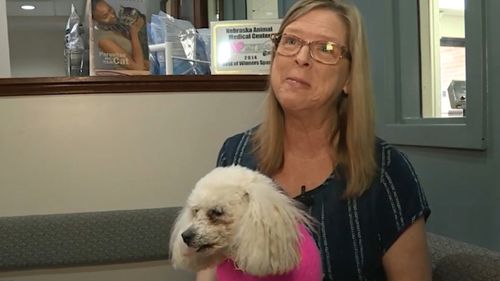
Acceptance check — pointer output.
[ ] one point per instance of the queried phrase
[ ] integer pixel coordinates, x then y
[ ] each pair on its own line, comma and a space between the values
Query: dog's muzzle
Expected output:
190, 239
188, 236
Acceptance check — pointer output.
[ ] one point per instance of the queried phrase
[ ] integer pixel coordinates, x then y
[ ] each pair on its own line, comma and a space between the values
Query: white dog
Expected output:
237, 214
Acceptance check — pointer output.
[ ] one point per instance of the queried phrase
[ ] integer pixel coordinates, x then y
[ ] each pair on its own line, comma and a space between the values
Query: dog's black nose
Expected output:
188, 236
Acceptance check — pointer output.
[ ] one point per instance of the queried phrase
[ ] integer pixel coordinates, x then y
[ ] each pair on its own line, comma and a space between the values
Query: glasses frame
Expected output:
276, 38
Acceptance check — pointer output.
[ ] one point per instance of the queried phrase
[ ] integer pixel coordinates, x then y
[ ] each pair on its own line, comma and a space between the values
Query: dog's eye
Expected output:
215, 213
195, 211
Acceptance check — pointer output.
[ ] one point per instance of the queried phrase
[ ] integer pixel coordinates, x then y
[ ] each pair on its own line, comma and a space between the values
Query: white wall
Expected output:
78, 153
4, 44
32, 55
452, 25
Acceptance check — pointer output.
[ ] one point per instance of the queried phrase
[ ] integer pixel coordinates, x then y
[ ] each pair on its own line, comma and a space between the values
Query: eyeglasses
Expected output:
326, 52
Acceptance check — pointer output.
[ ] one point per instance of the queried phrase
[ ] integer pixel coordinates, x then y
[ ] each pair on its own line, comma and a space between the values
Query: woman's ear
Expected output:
347, 87
267, 241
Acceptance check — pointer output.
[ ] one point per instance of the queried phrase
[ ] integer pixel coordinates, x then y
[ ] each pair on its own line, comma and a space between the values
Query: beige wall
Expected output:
149, 271
78, 153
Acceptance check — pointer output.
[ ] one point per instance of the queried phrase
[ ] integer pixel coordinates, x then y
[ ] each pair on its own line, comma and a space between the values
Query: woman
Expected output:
121, 44
317, 142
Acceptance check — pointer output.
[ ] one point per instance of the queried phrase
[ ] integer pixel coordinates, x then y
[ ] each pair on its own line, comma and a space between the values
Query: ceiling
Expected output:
49, 15
45, 8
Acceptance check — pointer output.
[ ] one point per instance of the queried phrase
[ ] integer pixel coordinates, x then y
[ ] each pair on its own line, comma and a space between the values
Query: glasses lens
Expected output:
323, 51
327, 52
289, 45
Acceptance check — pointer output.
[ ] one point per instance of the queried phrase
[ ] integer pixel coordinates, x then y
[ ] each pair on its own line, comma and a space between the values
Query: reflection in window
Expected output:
452, 55
442, 45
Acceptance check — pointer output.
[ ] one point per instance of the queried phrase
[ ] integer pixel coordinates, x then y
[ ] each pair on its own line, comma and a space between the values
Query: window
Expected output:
413, 81
442, 49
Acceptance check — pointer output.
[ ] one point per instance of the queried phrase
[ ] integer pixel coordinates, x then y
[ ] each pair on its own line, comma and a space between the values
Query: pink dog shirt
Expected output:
309, 267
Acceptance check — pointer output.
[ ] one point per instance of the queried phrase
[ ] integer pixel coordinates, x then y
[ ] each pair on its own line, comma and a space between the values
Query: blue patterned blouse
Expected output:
353, 234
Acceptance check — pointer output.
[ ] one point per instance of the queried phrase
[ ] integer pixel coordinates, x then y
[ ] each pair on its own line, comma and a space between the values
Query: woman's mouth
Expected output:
297, 82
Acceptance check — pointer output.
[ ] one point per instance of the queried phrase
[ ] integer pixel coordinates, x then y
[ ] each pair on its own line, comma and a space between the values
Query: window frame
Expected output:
402, 122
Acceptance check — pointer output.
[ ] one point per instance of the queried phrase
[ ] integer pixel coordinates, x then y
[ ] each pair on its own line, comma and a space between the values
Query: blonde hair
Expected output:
352, 136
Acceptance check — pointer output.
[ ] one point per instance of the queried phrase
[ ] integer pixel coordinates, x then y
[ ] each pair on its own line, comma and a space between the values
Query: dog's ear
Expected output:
267, 241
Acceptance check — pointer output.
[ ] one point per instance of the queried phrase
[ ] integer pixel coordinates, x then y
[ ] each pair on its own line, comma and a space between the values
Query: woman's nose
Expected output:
303, 57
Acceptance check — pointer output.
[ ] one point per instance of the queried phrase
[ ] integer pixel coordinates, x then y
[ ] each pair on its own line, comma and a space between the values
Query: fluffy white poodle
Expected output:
237, 217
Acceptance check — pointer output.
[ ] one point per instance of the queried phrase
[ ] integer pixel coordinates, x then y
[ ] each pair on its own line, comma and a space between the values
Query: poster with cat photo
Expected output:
118, 39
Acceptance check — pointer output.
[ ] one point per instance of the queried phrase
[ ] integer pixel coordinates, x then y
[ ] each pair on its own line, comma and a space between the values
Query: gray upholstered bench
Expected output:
99, 238
454, 260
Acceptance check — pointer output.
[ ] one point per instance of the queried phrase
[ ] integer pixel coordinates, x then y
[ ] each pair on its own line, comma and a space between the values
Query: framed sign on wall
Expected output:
242, 47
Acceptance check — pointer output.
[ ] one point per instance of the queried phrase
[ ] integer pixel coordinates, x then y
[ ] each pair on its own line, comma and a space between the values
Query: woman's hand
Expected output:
206, 275
136, 26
